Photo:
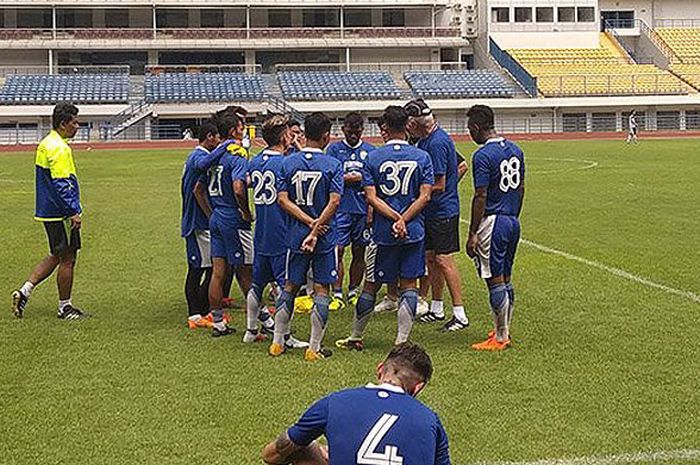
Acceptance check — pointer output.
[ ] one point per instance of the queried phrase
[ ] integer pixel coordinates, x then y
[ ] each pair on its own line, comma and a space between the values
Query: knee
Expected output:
66, 259
445, 262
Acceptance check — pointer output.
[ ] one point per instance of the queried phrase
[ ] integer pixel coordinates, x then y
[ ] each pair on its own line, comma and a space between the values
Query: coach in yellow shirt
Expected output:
58, 208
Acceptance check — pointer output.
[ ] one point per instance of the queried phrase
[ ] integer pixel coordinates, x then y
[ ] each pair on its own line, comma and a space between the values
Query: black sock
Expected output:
194, 276
228, 282
203, 298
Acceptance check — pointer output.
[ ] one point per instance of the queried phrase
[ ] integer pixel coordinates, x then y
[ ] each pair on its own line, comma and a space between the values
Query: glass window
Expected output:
545, 14
500, 15
117, 18
358, 18
586, 14
172, 18
566, 14
74, 18
211, 18
34, 18
279, 18
523, 14
393, 18
321, 18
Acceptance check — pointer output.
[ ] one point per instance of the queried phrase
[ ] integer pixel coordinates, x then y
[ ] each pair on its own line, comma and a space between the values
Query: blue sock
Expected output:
408, 304
511, 292
410, 297
283, 315
498, 297
319, 319
365, 304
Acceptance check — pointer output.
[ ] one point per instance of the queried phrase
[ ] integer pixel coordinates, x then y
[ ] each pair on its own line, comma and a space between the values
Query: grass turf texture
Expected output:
601, 365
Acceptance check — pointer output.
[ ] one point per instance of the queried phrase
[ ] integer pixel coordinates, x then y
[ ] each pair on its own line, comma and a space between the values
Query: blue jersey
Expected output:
193, 218
397, 170
228, 167
353, 160
271, 221
499, 165
444, 157
309, 177
388, 426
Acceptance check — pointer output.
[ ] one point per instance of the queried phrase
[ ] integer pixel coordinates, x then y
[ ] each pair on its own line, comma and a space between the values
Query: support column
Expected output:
432, 20
683, 124
618, 121
347, 59
152, 57
53, 22
342, 22
154, 22
50, 61
247, 22
250, 61
589, 122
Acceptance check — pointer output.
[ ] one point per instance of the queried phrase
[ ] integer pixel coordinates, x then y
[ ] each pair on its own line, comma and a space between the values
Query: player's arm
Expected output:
442, 448
462, 167
478, 209
240, 190
293, 210
59, 168
439, 185
279, 451
521, 191
419, 204
200, 195
352, 177
379, 205
298, 442
206, 160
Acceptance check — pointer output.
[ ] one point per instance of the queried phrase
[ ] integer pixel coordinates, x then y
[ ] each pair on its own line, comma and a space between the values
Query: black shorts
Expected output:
442, 235
62, 237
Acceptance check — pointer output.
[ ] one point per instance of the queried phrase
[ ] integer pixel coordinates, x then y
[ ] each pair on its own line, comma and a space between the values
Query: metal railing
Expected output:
681, 23
657, 40
621, 23
510, 64
204, 69
610, 84
64, 70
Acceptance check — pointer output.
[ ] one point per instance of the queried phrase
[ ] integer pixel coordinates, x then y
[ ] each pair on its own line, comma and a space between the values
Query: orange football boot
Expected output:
203, 322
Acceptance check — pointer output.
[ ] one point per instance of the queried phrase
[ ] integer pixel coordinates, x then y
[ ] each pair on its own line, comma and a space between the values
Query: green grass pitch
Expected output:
602, 364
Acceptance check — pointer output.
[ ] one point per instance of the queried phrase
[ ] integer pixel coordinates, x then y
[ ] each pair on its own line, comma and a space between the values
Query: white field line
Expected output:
612, 270
590, 164
628, 458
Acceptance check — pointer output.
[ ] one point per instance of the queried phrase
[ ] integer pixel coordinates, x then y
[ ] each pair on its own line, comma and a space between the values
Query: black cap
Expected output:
417, 107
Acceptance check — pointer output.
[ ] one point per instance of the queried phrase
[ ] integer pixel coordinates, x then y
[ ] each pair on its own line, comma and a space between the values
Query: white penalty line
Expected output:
612, 270
627, 458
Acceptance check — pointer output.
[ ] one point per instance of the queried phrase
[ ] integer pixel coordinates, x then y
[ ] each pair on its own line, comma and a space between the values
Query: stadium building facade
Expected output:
151, 69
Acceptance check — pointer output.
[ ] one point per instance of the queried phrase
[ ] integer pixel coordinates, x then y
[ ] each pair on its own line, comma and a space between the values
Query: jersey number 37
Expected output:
368, 455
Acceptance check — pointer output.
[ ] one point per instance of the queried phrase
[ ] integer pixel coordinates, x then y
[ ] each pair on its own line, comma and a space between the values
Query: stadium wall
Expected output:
507, 40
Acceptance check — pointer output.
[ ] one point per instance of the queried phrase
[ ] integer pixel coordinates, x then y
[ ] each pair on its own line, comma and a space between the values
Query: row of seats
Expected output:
102, 34
684, 41
36, 89
204, 87
458, 84
604, 70
330, 85
16, 34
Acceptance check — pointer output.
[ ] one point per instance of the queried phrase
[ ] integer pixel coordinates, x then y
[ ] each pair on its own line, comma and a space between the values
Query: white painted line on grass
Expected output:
612, 270
628, 458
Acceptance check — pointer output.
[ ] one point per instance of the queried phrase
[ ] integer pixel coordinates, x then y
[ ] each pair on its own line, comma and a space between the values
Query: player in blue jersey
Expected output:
352, 217
230, 222
309, 191
271, 228
398, 180
494, 231
441, 216
379, 424
195, 228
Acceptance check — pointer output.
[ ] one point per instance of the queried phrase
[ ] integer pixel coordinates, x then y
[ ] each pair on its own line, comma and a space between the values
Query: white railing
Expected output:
680, 23
204, 69
609, 84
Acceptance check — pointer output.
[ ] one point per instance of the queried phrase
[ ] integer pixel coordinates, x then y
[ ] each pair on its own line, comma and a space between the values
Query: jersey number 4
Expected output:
510, 174
368, 455
305, 183
398, 176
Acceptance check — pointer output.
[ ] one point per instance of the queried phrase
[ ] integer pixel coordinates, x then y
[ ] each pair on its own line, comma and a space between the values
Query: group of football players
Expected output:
396, 206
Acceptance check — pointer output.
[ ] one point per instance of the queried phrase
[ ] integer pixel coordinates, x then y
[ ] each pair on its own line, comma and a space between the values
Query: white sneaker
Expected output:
291, 342
386, 305
423, 307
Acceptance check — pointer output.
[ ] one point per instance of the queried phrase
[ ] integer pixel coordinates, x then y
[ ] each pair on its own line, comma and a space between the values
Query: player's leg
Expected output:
338, 285
411, 266
261, 276
198, 275
296, 266
279, 264
445, 248
435, 311
220, 248
508, 268
343, 222
324, 267
65, 274
360, 240
244, 260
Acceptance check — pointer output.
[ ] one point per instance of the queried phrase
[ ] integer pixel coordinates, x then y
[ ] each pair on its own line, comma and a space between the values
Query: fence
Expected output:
610, 84
510, 64
689, 23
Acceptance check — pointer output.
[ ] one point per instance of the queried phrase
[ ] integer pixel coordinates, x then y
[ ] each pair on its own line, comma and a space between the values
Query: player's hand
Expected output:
318, 229
308, 245
246, 215
472, 244
75, 222
399, 229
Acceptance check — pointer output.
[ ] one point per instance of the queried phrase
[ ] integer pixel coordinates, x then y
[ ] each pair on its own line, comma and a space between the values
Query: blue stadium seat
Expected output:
333, 85
204, 87
458, 84
41, 89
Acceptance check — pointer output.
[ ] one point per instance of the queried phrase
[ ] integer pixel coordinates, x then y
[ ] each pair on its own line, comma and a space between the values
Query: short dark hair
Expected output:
233, 110
208, 127
412, 357
62, 113
294, 123
394, 118
353, 120
273, 127
316, 125
225, 122
481, 115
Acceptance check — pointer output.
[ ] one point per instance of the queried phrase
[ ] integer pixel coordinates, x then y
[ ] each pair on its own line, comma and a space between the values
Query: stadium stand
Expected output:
334, 85
458, 84
37, 89
605, 70
203, 87
685, 43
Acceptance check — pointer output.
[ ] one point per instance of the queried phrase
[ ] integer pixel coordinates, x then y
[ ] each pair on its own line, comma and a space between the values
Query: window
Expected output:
566, 14
321, 18
211, 18
117, 18
692, 119
34, 18
523, 14
393, 18
500, 15
358, 18
618, 19
574, 122
172, 18
586, 14
668, 120
73, 18
545, 14
279, 18
603, 122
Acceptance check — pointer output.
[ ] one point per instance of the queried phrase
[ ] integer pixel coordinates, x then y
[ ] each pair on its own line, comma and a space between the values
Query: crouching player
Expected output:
398, 180
494, 232
309, 191
271, 228
195, 228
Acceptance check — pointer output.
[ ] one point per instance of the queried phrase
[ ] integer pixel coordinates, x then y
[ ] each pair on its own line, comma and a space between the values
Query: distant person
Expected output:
196, 212
58, 208
375, 424
632, 125
494, 231
352, 217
